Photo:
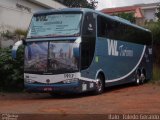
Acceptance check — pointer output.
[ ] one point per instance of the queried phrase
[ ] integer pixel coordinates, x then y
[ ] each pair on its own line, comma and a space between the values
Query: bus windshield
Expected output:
41, 57
55, 25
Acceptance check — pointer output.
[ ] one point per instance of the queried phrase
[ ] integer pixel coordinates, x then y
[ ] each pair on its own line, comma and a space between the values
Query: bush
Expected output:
155, 28
156, 73
7, 34
20, 32
11, 70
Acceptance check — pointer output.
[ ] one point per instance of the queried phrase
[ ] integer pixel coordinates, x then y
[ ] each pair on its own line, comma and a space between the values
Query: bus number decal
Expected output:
68, 75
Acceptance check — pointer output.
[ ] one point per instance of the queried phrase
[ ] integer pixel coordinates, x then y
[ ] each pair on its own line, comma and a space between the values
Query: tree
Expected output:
79, 3
158, 13
155, 29
11, 71
128, 16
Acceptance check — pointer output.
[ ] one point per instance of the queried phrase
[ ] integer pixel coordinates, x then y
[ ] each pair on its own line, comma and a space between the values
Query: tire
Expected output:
143, 76
100, 84
140, 76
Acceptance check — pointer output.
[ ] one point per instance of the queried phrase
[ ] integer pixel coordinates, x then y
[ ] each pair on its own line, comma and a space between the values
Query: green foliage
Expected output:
128, 16
11, 35
7, 34
155, 28
156, 73
158, 13
11, 70
20, 32
79, 3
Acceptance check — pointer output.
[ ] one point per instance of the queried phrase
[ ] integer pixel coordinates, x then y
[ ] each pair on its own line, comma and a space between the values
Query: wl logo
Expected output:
115, 50
112, 48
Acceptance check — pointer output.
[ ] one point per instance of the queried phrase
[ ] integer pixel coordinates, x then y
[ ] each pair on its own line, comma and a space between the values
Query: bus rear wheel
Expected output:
140, 77
100, 84
143, 76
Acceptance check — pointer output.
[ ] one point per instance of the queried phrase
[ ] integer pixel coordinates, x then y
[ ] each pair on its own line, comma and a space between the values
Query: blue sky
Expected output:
118, 3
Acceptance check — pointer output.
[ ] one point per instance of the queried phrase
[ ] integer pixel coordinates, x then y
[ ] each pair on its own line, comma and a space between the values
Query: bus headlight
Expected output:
75, 80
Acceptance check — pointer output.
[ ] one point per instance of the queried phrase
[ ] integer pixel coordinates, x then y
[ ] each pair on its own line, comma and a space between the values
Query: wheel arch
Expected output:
100, 72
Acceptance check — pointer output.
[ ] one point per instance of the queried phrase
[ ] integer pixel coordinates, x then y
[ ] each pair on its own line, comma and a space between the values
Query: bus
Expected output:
75, 50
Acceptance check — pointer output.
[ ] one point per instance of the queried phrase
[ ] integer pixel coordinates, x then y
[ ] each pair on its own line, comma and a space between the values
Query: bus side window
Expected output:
102, 27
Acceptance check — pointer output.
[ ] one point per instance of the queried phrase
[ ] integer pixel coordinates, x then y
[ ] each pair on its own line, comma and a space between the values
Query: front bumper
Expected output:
77, 87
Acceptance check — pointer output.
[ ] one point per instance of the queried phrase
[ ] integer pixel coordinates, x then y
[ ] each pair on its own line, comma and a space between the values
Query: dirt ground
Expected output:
122, 99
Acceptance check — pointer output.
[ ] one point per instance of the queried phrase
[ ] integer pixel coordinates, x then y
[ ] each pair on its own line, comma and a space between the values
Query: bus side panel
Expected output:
119, 61
118, 58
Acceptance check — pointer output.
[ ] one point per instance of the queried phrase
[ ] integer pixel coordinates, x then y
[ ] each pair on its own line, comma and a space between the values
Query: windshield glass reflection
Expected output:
57, 58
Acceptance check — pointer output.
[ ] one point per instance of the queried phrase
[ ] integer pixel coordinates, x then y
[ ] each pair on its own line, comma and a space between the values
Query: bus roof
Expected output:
84, 10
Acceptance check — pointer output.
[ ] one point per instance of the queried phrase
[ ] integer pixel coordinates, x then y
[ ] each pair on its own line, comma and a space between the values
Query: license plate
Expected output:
48, 89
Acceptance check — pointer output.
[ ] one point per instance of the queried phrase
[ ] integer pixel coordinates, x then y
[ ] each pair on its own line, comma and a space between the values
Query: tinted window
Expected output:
87, 51
89, 26
119, 31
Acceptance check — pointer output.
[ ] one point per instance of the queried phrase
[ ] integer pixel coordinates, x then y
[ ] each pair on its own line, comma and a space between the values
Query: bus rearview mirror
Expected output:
15, 48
